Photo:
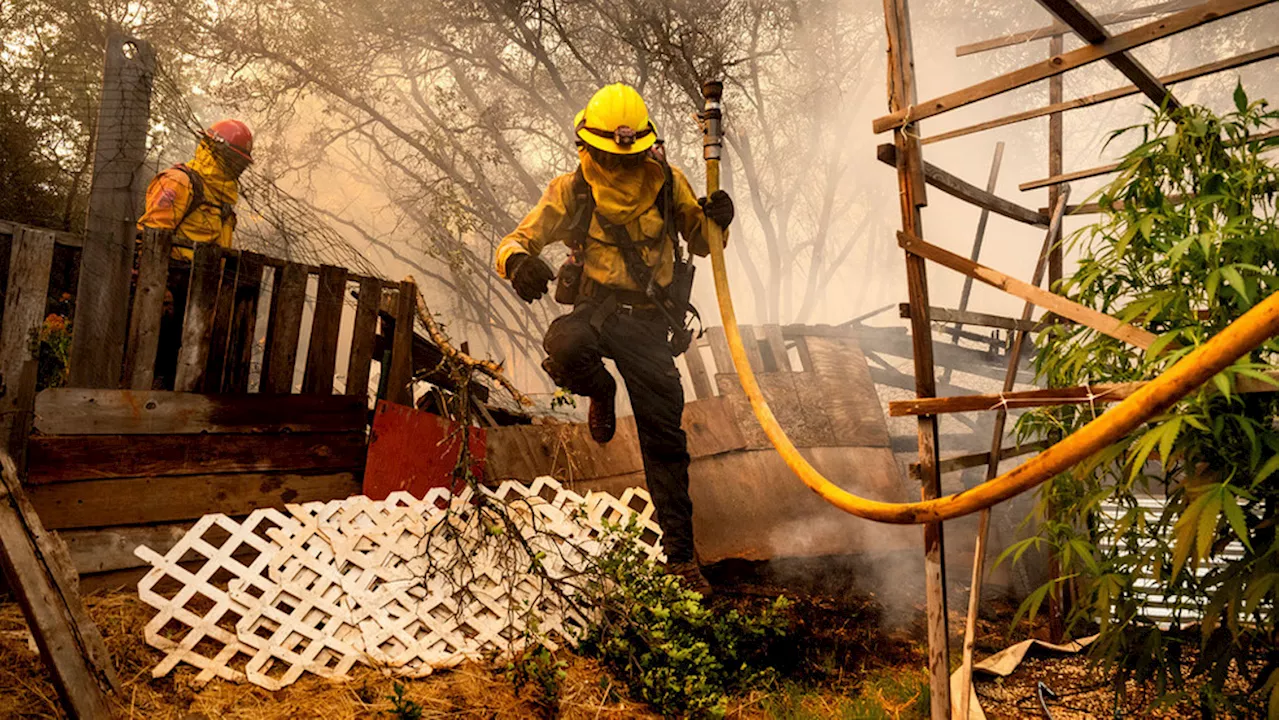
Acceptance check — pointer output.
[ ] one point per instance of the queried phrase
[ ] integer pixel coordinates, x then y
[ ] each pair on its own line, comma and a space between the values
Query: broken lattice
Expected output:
319, 587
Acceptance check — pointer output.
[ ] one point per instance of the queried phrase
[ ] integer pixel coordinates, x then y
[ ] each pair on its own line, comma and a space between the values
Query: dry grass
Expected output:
466, 692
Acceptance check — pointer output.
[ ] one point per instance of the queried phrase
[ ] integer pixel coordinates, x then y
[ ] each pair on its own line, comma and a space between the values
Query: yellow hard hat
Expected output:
617, 121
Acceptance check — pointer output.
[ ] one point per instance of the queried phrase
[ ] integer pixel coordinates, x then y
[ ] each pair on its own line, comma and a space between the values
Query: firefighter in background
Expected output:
623, 213
197, 201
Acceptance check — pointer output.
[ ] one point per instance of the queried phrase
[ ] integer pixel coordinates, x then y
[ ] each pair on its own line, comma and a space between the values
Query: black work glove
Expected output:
529, 276
719, 207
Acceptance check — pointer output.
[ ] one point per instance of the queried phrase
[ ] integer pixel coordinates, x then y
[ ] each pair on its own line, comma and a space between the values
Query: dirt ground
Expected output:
849, 662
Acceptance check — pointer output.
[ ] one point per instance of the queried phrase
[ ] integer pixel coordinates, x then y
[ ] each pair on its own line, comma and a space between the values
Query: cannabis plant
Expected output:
1186, 244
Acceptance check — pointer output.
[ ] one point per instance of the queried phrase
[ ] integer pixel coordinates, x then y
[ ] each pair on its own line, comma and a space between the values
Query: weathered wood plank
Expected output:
797, 404
969, 317
1058, 28
37, 571
1113, 94
26, 298
138, 501
363, 336
148, 307
567, 451
1056, 304
248, 288
283, 329
806, 359
220, 336
322, 352
108, 549
400, 372
777, 347
106, 261
698, 373
720, 349
64, 458
197, 325
956, 463
957, 188
845, 392
1165, 27
60, 237
75, 411
1092, 31
967, 289
752, 347
911, 181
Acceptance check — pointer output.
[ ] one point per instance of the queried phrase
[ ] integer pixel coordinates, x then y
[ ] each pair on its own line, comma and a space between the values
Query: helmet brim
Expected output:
609, 146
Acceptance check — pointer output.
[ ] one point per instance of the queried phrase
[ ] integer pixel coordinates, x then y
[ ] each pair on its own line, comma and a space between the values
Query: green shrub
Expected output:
666, 645
1188, 245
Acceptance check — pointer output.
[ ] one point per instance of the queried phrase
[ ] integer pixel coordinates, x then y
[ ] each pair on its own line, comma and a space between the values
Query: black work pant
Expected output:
638, 345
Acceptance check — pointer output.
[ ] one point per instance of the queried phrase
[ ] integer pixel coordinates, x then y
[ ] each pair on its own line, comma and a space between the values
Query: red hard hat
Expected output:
235, 134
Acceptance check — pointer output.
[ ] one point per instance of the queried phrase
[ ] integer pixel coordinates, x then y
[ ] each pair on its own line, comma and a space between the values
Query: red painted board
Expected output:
416, 451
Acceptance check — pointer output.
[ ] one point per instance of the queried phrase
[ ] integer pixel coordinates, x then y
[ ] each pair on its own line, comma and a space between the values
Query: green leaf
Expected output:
1241, 100
1233, 278
1268, 469
1235, 517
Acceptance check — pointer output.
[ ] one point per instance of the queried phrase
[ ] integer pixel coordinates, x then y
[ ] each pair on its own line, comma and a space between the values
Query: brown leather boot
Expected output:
691, 575
602, 417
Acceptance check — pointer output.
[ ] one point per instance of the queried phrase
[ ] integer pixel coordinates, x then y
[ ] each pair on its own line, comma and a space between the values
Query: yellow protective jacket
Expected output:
169, 196
623, 197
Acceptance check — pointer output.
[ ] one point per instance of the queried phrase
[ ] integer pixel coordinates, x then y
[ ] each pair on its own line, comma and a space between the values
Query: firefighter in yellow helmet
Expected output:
623, 214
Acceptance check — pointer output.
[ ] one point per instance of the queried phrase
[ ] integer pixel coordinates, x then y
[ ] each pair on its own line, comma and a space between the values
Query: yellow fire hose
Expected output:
1236, 340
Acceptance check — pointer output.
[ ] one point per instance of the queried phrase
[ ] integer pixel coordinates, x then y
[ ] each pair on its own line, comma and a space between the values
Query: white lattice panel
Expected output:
405, 584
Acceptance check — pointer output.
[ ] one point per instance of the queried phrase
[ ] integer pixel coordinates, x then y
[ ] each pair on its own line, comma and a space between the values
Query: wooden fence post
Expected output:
399, 372
148, 309
911, 187
102, 299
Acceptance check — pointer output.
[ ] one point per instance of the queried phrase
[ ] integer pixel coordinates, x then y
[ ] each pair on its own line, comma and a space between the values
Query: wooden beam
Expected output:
1091, 31
78, 411
363, 332
969, 317
978, 237
1112, 167
220, 337
1088, 100
197, 325
957, 188
400, 370
66, 458
322, 351
1056, 304
248, 289
148, 307
1058, 28
139, 501
1055, 167
1166, 27
698, 372
25, 301
60, 237
106, 262
39, 573
912, 177
284, 327
956, 463
777, 347
1082, 395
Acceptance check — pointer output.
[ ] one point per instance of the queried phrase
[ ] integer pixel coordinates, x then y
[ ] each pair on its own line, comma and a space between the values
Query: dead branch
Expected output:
485, 367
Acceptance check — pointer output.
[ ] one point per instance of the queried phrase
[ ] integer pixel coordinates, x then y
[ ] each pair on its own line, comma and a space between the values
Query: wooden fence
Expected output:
250, 420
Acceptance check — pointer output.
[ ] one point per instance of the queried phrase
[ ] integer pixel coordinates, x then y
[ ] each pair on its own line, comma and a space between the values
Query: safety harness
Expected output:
672, 301
198, 197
